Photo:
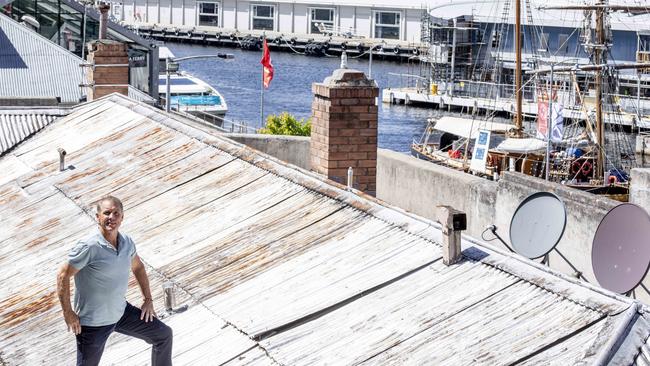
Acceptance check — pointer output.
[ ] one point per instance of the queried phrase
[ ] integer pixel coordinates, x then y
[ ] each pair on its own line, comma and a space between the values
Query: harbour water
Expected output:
239, 81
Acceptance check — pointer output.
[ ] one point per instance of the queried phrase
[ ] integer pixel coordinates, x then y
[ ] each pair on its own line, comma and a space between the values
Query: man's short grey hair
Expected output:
113, 199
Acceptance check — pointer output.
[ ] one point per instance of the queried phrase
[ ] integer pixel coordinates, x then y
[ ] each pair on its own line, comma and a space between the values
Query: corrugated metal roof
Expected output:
276, 265
33, 66
17, 125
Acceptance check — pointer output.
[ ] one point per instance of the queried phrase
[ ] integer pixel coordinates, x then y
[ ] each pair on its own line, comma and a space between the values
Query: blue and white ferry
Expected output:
194, 96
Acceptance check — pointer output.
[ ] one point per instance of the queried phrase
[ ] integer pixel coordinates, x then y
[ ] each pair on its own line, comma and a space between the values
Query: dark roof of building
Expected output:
275, 264
17, 124
32, 66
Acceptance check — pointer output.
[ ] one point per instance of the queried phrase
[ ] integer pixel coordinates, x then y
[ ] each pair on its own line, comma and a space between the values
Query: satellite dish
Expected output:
620, 253
537, 225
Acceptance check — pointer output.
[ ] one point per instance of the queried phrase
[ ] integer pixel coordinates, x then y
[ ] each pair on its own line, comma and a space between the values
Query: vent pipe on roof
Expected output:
169, 297
62, 154
103, 19
350, 178
453, 222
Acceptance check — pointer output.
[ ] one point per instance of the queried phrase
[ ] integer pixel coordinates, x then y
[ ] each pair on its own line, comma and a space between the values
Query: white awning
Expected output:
522, 146
164, 52
468, 128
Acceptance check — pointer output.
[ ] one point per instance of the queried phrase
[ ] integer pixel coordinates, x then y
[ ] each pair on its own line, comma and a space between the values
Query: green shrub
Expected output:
286, 124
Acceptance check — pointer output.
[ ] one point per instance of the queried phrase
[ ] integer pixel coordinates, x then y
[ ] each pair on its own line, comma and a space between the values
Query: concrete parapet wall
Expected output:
292, 149
419, 186
640, 188
642, 146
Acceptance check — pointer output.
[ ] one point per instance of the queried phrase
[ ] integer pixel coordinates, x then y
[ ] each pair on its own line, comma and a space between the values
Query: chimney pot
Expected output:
103, 19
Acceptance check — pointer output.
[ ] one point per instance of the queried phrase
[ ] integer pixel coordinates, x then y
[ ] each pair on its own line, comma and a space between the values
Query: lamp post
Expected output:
370, 57
171, 65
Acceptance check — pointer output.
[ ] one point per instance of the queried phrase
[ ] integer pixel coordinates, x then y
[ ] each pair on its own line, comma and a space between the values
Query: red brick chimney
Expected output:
109, 69
344, 128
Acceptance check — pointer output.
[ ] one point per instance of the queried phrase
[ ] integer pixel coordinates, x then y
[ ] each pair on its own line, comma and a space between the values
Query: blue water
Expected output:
239, 81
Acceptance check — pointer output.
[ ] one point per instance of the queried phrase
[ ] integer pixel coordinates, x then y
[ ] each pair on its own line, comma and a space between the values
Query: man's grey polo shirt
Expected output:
103, 278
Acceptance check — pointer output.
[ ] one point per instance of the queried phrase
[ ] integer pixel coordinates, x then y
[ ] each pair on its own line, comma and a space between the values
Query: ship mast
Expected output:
598, 60
601, 7
518, 132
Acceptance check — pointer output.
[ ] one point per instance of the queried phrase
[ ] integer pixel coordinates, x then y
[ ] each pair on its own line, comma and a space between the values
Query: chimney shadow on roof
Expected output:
9, 56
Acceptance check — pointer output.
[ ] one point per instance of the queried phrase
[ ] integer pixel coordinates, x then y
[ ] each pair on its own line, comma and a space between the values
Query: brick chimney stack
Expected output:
109, 69
344, 128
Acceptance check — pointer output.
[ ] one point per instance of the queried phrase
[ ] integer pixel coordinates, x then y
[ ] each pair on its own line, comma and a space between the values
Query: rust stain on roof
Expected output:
32, 308
281, 262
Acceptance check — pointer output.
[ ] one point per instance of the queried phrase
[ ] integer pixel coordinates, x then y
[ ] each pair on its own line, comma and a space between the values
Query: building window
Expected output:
322, 20
264, 17
387, 24
543, 42
209, 14
563, 43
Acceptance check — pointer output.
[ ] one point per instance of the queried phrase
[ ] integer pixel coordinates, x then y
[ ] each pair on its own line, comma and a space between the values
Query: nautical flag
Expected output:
267, 66
557, 129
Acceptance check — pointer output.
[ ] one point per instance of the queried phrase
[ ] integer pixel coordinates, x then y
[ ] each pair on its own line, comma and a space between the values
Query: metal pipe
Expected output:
370, 64
62, 154
169, 296
103, 20
167, 86
600, 130
518, 78
451, 79
350, 178
549, 126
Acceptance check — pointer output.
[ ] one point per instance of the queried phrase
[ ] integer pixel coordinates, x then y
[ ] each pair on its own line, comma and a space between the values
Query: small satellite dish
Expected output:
537, 225
620, 253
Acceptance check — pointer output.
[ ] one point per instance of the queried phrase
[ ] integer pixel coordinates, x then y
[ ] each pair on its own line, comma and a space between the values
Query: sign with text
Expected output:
479, 156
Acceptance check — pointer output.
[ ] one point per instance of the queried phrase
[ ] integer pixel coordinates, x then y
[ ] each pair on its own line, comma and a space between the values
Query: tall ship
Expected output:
576, 135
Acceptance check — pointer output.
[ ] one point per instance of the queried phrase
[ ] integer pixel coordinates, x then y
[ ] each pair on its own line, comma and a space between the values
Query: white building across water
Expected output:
400, 20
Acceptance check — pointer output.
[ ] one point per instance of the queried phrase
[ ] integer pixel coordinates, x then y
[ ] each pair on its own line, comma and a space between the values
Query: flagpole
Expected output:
262, 91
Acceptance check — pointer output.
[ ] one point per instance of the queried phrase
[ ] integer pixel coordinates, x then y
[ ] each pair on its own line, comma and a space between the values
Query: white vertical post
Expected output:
370, 63
262, 93
549, 126
167, 86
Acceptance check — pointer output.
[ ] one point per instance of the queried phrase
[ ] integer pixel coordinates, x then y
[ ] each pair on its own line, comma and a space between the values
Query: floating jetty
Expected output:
308, 44
502, 106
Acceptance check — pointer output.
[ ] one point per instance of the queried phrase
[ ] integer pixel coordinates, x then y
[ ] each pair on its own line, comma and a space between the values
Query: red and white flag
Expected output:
267, 66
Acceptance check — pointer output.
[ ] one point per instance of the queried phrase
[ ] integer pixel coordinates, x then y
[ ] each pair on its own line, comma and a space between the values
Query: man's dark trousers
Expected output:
91, 341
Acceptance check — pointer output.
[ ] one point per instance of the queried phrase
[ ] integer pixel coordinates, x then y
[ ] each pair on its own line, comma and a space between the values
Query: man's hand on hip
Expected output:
72, 320
148, 313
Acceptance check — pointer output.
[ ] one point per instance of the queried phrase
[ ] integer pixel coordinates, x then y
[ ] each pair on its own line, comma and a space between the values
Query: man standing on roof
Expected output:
100, 266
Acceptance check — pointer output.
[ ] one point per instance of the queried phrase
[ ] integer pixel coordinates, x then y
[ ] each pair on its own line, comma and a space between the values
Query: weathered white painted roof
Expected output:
276, 265
32, 66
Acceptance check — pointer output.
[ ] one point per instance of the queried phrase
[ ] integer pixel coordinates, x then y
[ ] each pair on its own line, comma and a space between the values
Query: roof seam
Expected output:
559, 341
320, 313
459, 311
543, 288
